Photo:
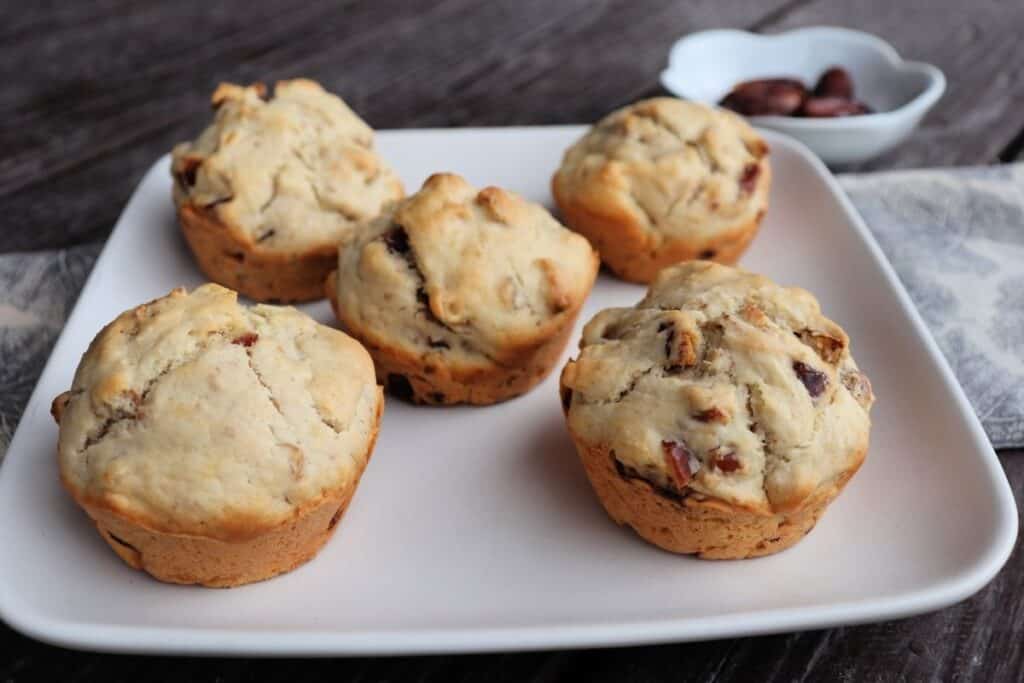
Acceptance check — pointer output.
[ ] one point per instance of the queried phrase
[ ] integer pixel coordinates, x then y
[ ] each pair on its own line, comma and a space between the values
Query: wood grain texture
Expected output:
95, 92
108, 87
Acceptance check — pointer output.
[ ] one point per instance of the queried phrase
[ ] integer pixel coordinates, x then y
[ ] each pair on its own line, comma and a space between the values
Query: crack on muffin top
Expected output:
397, 241
287, 171
725, 362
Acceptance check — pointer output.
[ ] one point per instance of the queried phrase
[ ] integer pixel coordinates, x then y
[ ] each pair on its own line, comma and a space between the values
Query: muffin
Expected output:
664, 181
719, 416
462, 296
214, 444
270, 189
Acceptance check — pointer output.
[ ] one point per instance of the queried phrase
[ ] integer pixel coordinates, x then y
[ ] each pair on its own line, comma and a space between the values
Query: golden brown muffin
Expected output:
215, 444
463, 296
272, 187
721, 415
664, 181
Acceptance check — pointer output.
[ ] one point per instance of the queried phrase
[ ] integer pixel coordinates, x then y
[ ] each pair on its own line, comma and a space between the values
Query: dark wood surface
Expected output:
94, 92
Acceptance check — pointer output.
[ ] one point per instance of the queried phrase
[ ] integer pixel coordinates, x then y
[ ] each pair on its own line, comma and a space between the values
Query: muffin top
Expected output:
194, 415
681, 170
477, 276
723, 383
291, 172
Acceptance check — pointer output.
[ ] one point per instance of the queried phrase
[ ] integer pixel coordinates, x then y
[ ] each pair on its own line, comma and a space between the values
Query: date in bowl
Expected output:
705, 66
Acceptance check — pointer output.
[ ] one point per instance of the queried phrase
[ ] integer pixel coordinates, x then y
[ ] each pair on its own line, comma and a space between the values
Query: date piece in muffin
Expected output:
214, 444
663, 181
267, 193
721, 415
463, 296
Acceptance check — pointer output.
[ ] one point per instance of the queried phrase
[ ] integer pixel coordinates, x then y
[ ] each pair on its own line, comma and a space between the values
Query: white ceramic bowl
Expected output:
705, 66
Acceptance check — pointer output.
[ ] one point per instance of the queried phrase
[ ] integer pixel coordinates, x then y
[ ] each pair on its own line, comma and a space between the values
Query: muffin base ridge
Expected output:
259, 275
708, 528
430, 380
216, 563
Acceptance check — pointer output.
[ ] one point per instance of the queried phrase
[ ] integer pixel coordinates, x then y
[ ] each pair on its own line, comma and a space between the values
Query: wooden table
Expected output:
94, 92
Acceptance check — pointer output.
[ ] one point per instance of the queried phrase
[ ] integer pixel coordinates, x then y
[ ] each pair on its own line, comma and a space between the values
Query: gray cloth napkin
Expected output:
955, 236
37, 292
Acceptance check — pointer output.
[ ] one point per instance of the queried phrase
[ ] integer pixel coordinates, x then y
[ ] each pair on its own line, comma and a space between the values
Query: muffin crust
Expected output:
720, 396
463, 295
273, 186
663, 181
208, 441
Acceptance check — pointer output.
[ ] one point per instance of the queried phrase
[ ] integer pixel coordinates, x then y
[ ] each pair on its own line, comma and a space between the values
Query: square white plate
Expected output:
475, 528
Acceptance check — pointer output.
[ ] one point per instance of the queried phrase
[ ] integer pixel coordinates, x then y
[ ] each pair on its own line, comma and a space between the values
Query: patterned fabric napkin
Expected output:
955, 236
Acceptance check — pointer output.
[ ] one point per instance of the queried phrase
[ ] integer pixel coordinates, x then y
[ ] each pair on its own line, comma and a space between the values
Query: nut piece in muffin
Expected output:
214, 444
664, 181
720, 415
462, 296
267, 193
